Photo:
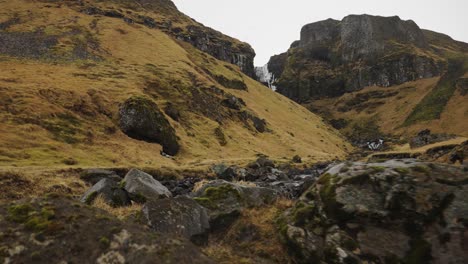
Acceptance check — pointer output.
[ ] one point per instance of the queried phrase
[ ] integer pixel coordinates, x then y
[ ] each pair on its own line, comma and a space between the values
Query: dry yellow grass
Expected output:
84, 97
122, 213
393, 111
253, 238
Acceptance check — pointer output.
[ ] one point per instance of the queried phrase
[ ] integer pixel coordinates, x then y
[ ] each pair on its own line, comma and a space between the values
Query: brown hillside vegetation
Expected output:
389, 108
64, 73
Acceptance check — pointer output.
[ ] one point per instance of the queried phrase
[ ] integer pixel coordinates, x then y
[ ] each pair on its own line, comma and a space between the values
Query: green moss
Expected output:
303, 213
139, 198
402, 171
32, 219
122, 184
433, 104
212, 195
378, 169
328, 196
19, 213
65, 128
104, 241
420, 252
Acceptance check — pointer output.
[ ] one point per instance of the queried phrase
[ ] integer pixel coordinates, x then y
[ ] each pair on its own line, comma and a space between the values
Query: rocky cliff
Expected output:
334, 57
170, 20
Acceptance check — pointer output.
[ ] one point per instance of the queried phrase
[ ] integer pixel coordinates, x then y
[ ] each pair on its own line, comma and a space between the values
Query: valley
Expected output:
131, 133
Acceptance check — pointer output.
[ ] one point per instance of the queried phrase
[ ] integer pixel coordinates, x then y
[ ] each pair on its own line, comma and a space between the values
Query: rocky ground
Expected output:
384, 211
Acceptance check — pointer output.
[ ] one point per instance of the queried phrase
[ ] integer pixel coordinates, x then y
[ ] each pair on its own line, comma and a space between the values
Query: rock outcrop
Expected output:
110, 191
226, 200
334, 57
179, 216
143, 187
59, 230
141, 118
203, 38
399, 211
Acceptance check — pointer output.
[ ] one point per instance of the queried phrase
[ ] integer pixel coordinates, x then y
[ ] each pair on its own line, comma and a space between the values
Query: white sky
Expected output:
270, 26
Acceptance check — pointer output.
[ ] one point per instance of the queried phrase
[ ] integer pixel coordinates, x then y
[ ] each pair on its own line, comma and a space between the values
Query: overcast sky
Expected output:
270, 26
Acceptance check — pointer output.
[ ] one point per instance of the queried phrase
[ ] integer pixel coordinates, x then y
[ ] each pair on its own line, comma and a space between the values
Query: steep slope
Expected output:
67, 67
338, 68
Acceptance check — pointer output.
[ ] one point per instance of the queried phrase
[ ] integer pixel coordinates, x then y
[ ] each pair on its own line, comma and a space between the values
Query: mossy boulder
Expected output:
226, 200
140, 118
110, 191
180, 216
398, 211
61, 230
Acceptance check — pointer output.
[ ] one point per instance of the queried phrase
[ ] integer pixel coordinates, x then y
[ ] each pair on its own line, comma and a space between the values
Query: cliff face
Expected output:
334, 57
171, 21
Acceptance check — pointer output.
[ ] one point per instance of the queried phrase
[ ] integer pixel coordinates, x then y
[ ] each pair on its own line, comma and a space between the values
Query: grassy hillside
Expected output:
387, 111
64, 74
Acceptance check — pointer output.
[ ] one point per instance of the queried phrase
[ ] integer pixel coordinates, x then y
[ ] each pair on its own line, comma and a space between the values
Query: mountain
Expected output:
113, 83
340, 69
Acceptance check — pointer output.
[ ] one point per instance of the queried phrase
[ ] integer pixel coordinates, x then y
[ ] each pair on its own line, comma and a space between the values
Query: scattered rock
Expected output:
425, 137
297, 159
140, 118
180, 216
143, 187
110, 191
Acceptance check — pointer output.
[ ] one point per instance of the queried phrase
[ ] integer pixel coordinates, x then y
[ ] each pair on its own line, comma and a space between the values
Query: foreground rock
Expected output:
180, 216
400, 211
143, 187
140, 118
110, 191
226, 200
59, 230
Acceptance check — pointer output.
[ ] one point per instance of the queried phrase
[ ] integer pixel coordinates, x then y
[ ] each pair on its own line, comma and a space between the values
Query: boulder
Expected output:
398, 211
143, 187
61, 230
140, 118
109, 190
180, 216
226, 200
93, 176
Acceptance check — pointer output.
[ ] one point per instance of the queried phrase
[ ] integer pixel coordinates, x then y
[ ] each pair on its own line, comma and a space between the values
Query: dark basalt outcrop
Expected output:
334, 57
140, 118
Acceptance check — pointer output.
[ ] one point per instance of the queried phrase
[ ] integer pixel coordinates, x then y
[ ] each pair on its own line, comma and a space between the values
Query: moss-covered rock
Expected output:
398, 211
226, 200
141, 118
59, 229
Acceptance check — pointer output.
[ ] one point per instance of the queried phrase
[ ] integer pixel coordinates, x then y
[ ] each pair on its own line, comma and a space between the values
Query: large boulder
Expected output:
140, 118
109, 190
180, 216
226, 200
61, 230
399, 211
143, 187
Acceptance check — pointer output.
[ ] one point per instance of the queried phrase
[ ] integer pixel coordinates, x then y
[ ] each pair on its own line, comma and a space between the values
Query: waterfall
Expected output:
266, 77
